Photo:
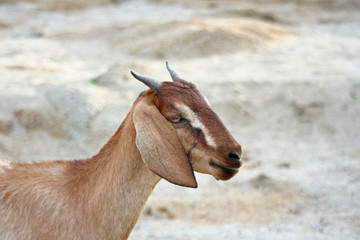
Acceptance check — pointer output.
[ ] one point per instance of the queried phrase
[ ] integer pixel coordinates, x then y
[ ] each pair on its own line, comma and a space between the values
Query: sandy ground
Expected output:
283, 75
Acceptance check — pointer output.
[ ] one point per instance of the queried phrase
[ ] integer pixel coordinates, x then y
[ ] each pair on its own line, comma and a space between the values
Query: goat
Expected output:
169, 133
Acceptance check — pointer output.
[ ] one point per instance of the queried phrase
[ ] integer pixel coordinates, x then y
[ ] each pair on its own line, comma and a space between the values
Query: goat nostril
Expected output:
234, 155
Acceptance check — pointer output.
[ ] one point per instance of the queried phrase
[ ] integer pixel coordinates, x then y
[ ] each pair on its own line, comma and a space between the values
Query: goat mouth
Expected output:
226, 169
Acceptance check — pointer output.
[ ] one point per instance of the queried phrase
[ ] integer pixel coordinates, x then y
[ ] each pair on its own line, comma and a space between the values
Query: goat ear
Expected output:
160, 147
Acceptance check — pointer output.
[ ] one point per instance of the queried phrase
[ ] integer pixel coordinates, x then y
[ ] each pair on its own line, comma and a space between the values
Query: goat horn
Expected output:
173, 74
153, 84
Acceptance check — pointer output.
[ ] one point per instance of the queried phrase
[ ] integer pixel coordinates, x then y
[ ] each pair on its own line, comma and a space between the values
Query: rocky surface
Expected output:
283, 75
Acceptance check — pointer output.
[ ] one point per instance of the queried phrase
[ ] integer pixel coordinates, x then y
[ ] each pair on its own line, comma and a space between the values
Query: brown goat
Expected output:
169, 132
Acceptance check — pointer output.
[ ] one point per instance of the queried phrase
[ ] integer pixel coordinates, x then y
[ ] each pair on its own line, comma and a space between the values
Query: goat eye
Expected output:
176, 119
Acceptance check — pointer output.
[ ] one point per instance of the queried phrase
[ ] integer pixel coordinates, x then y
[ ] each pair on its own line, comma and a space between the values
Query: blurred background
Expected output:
284, 76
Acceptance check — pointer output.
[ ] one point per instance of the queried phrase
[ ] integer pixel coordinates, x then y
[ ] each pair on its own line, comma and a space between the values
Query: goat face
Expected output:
205, 141
208, 144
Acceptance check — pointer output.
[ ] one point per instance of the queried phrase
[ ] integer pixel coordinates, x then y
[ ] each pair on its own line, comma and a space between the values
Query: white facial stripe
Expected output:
4, 165
206, 100
196, 123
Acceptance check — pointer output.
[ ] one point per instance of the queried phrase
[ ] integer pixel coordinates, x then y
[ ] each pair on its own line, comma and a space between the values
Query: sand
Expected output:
284, 76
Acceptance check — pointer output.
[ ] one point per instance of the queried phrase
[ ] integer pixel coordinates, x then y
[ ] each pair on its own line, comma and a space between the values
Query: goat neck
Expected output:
122, 191
98, 198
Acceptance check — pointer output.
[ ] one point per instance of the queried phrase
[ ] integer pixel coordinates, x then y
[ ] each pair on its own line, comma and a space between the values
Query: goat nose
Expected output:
234, 155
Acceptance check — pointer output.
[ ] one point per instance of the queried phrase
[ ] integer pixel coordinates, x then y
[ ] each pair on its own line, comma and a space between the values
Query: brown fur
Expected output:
102, 197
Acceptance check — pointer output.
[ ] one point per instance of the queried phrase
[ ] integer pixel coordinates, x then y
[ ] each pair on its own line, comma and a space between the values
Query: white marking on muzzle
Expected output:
196, 123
